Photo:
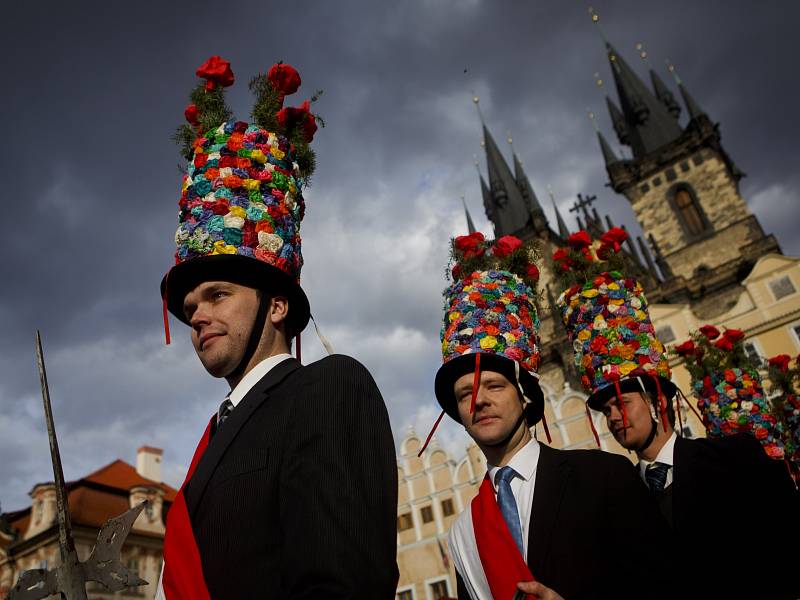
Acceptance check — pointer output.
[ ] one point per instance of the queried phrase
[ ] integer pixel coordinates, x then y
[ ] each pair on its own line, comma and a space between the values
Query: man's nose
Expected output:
200, 316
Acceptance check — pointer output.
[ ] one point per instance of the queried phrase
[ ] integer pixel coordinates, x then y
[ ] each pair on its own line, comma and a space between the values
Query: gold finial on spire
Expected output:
671, 68
510, 140
590, 114
476, 101
596, 20
598, 80
643, 54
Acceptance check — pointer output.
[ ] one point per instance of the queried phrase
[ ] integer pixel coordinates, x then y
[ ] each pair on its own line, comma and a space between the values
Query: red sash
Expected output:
502, 563
183, 572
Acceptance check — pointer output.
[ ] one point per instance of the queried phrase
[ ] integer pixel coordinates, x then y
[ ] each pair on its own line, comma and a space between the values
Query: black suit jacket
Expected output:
595, 531
296, 494
733, 511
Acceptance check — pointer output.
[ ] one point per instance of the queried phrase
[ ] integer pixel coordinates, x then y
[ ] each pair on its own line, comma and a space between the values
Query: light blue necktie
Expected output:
507, 504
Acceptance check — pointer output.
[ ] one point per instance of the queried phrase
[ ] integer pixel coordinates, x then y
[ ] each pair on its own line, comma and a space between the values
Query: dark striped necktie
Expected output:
656, 477
225, 410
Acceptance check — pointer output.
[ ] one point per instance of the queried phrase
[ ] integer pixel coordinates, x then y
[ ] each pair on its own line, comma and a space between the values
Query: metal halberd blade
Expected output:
104, 564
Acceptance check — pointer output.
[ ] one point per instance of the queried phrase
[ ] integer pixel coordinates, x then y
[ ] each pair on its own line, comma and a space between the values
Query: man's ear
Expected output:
278, 309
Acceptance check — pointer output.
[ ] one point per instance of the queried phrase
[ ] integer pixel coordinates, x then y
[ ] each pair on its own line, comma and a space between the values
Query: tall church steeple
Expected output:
648, 123
538, 218
683, 188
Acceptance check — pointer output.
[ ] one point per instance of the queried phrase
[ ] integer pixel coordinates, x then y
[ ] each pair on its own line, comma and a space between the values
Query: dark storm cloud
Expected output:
93, 92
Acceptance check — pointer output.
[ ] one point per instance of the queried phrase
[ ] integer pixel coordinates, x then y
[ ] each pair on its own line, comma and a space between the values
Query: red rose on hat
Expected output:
191, 115
710, 332
734, 335
580, 239
781, 361
724, 343
217, 72
685, 349
506, 245
533, 272
301, 116
284, 78
470, 244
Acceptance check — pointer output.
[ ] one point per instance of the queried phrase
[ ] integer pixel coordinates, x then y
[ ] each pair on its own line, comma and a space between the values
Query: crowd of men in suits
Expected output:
292, 492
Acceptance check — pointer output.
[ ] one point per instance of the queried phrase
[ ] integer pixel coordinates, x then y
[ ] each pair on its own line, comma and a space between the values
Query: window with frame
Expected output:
439, 589
427, 514
751, 351
689, 211
405, 595
796, 331
404, 522
782, 287
448, 508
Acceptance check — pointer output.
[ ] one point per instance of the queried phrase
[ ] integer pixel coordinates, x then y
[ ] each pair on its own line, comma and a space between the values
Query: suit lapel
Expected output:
225, 436
552, 473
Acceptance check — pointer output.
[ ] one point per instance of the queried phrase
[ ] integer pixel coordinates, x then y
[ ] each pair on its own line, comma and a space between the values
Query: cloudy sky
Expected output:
92, 92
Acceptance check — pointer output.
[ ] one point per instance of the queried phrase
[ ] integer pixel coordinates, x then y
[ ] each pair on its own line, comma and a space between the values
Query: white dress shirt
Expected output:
463, 548
666, 456
252, 377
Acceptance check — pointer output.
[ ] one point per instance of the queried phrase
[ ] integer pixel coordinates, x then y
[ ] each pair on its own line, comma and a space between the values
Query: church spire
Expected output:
649, 124
528, 195
618, 121
664, 95
510, 208
562, 226
470, 224
608, 153
691, 106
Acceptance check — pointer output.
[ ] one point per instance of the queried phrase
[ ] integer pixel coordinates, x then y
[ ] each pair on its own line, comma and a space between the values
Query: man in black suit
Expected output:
731, 507
592, 530
292, 493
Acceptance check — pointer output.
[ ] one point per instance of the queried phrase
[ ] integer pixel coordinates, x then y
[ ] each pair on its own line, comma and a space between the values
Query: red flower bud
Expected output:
506, 245
734, 335
533, 272
781, 362
580, 239
685, 349
216, 71
191, 115
284, 78
710, 332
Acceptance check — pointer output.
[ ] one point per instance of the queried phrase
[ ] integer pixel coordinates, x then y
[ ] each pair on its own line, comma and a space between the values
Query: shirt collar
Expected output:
523, 462
665, 455
254, 376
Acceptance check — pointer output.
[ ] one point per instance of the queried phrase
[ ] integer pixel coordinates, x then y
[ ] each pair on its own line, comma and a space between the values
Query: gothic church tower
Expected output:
684, 190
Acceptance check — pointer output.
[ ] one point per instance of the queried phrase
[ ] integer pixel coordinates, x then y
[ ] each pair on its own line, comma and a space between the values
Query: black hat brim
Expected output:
631, 383
242, 270
450, 371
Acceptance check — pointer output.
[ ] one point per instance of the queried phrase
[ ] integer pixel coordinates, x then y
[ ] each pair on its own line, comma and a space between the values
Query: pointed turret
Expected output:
649, 124
526, 189
470, 224
510, 208
608, 153
562, 226
691, 106
488, 203
664, 95
618, 120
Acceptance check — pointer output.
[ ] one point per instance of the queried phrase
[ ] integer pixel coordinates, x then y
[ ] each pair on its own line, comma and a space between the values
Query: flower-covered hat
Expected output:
491, 321
607, 321
241, 202
728, 388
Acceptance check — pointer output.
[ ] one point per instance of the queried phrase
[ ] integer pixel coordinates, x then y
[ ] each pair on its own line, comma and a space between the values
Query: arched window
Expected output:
689, 211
